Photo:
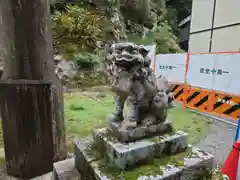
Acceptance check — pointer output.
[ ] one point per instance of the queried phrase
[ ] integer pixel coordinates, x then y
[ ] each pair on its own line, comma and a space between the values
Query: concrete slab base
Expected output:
193, 165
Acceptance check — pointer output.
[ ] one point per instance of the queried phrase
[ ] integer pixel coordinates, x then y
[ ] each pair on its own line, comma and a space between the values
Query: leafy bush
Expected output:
77, 29
162, 36
86, 60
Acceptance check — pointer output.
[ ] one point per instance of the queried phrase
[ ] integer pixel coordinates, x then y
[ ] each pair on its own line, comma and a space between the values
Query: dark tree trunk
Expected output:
27, 51
28, 141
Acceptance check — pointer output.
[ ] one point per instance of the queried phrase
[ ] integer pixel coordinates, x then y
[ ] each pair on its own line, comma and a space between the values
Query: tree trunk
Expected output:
28, 141
27, 51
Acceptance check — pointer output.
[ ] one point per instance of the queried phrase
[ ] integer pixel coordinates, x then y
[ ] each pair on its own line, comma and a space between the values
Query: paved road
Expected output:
219, 141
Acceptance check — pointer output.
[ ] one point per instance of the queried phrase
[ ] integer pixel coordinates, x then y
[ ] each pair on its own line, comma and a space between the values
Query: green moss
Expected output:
95, 152
152, 168
107, 135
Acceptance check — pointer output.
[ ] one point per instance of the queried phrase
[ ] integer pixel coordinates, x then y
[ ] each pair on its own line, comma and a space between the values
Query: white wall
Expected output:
202, 12
226, 39
199, 42
227, 12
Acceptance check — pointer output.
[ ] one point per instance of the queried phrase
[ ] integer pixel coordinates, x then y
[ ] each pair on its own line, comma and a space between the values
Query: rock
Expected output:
64, 69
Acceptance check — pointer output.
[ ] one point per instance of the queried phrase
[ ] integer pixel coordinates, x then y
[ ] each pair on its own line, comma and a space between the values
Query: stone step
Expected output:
139, 132
196, 164
127, 155
65, 170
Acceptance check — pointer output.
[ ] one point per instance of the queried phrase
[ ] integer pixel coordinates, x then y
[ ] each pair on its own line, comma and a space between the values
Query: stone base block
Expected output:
139, 132
191, 165
65, 170
128, 155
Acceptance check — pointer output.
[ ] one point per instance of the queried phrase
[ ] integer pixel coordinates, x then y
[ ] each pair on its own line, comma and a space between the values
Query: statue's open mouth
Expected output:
127, 65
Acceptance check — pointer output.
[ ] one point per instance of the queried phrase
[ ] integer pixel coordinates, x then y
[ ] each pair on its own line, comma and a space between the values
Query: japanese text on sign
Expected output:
166, 67
212, 71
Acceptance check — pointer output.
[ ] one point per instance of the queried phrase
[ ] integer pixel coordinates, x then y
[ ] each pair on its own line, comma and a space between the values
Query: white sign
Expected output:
227, 73
201, 70
172, 66
152, 53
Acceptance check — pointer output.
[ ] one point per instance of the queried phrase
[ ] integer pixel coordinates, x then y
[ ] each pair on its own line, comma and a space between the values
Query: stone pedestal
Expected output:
128, 155
193, 164
145, 153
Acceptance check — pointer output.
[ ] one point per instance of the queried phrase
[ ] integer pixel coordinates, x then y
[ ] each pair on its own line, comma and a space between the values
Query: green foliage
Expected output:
165, 40
161, 36
86, 58
77, 30
158, 7
171, 17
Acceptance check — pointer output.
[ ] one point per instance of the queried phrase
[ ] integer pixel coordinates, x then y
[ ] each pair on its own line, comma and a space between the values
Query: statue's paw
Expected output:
115, 118
126, 124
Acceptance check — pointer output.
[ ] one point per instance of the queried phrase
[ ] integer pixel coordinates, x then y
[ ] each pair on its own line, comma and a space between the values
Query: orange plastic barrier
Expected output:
206, 100
217, 103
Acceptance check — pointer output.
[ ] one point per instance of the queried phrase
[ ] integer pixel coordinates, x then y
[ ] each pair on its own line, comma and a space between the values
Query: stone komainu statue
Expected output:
133, 82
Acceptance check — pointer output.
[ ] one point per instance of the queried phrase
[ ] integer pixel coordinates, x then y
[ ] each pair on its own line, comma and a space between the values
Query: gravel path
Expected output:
219, 141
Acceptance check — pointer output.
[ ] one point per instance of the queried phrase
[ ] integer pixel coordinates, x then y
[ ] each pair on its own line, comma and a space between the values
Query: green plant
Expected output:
162, 36
86, 60
77, 29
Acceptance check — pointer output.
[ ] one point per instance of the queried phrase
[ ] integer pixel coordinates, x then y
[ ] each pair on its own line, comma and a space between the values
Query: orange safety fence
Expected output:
221, 104
207, 100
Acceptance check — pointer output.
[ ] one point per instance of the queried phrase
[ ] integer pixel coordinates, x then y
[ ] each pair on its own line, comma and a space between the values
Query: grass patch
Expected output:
84, 113
195, 125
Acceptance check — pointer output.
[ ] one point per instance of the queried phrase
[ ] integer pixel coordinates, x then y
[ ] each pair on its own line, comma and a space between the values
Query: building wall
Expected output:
216, 20
201, 9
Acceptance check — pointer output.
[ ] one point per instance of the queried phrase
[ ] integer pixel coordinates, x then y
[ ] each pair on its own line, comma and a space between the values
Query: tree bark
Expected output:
27, 51
28, 141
